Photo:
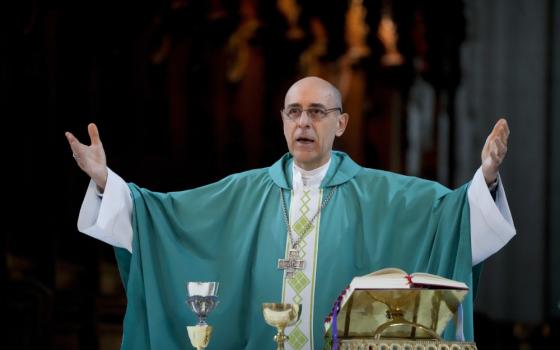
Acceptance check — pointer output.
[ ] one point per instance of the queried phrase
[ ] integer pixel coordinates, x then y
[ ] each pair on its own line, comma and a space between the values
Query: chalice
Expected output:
281, 316
202, 299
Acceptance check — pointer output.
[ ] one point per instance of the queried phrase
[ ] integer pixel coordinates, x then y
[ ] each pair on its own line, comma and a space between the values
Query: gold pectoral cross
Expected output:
291, 264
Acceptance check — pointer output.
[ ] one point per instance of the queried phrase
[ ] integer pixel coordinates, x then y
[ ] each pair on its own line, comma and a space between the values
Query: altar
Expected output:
395, 319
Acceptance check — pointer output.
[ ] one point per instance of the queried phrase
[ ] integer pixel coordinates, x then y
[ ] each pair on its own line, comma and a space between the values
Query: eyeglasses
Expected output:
314, 113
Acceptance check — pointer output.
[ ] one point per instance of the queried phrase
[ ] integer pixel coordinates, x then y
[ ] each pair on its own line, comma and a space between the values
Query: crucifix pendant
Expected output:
291, 264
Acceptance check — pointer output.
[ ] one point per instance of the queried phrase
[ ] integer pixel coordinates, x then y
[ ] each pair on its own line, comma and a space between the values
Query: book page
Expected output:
426, 279
387, 271
389, 278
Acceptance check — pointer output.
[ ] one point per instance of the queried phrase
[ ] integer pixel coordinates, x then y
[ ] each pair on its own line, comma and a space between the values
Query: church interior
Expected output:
185, 92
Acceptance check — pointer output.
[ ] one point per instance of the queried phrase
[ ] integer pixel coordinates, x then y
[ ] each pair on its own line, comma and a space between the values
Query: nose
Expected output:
304, 120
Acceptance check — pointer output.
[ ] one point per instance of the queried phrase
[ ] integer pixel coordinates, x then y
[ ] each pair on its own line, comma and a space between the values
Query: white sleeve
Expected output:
108, 217
491, 222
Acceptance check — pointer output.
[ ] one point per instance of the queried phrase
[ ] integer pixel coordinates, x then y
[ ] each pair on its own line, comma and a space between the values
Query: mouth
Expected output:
305, 140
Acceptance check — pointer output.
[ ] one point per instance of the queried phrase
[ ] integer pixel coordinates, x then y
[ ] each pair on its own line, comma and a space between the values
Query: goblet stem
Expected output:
280, 338
202, 321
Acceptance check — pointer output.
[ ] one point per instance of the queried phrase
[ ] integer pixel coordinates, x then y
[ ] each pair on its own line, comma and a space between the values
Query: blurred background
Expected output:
185, 92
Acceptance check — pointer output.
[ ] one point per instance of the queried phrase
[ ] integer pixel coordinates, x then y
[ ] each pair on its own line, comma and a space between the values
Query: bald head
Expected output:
328, 91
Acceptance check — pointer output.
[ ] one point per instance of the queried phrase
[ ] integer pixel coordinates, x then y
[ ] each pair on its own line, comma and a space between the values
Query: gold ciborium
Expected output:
281, 316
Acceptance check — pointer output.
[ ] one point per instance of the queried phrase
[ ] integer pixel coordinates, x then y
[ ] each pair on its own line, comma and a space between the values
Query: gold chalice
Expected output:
281, 316
203, 298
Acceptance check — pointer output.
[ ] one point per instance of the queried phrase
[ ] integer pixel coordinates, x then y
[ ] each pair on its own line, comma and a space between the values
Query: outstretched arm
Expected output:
491, 222
106, 217
91, 159
494, 151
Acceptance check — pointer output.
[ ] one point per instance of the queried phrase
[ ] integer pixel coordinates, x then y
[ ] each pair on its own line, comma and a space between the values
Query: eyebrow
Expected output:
312, 105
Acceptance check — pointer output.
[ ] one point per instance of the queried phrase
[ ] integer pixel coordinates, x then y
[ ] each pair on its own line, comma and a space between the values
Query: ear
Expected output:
342, 123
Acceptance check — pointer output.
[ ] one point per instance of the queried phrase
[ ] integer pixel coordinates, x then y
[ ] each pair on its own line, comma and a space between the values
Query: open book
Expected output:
393, 278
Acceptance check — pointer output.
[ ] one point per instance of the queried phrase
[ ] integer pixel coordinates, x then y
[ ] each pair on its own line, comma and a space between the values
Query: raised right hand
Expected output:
91, 159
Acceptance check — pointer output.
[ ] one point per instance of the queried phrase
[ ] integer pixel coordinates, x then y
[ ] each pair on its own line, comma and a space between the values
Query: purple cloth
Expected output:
334, 326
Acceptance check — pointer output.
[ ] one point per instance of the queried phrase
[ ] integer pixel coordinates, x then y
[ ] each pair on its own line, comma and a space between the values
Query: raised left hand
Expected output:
494, 151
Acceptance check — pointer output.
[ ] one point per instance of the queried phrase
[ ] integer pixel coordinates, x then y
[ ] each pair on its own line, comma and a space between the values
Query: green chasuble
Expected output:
232, 232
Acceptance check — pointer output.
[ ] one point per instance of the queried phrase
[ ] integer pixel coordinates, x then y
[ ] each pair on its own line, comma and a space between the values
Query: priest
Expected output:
295, 232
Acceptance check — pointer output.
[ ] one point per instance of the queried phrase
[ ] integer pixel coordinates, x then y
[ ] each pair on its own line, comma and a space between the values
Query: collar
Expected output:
309, 178
340, 170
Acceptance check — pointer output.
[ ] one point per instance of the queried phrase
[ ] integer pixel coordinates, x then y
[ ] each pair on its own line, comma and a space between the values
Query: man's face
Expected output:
310, 140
